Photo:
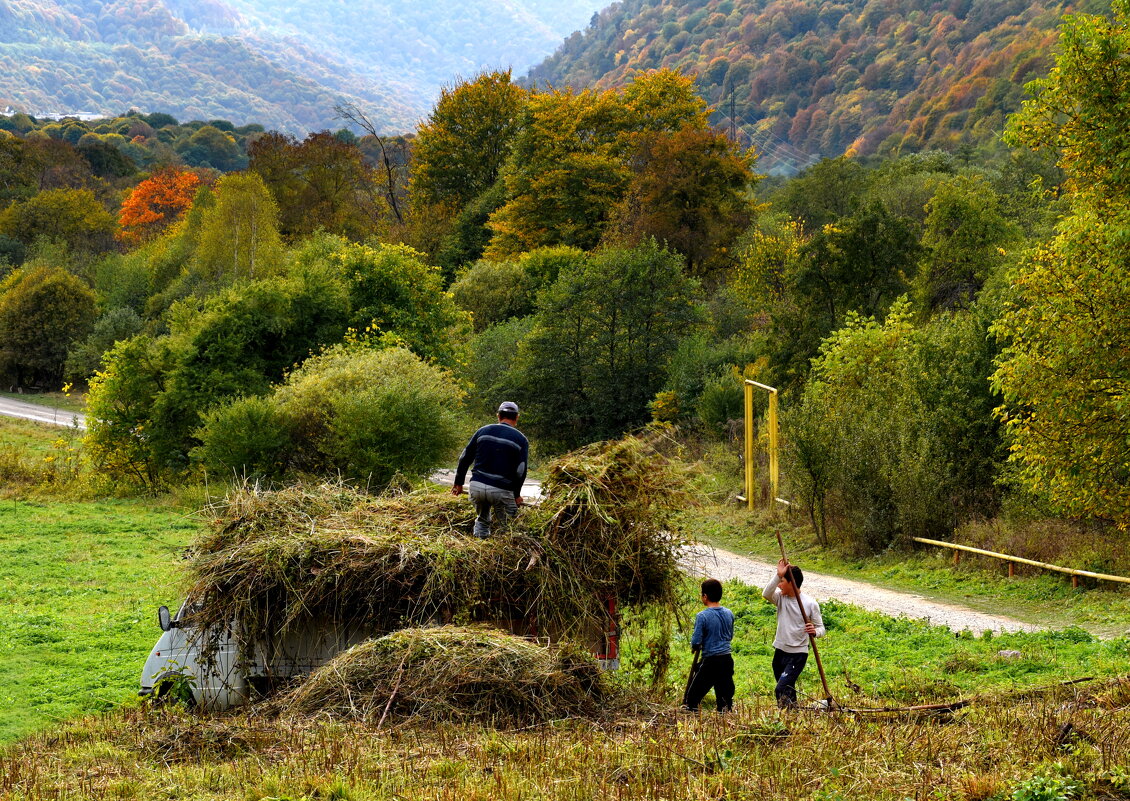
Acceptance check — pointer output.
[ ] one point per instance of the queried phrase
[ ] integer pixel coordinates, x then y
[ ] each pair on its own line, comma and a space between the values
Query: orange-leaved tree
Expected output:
156, 203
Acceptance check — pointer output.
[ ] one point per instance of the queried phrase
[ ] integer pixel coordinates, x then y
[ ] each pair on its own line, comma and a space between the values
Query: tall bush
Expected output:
601, 341
894, 435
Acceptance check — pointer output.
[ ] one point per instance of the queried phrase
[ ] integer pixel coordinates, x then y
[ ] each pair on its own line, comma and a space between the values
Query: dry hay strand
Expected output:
276, 562
453, 673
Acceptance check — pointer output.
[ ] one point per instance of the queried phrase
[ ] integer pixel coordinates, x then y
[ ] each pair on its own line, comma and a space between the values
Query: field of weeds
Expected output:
1070, 743
1022, 732
80, 582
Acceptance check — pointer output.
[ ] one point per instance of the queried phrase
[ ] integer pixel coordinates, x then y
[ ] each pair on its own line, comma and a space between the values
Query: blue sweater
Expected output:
713, 630
498, 452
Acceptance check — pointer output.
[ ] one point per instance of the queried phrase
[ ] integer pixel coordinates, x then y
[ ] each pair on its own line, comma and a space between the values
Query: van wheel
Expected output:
175, 688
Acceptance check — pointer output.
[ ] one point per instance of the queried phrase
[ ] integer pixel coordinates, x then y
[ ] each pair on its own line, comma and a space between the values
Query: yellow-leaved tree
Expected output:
1065, 373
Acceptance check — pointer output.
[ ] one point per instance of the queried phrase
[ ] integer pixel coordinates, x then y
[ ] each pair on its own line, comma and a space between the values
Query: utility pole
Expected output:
733, 122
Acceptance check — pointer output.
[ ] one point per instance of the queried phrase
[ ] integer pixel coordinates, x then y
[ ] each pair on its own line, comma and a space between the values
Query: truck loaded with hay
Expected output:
334, 582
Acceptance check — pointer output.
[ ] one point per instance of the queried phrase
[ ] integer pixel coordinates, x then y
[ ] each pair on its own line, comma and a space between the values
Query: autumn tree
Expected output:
239, 235
1065, 372
461, 147
571, 161
43, 311
689, 188
156, 203
321, 182
73, 217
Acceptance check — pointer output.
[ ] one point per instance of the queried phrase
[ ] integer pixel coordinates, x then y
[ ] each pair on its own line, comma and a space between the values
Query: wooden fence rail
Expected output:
1075, 574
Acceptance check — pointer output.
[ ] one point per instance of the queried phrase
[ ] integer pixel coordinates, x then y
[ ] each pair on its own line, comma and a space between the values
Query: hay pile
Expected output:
276, 561
453, 673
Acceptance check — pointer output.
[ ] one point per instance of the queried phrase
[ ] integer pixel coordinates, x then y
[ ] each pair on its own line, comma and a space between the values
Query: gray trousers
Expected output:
491, 503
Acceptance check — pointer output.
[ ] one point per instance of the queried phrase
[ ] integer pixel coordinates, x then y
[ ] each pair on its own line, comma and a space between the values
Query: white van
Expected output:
219, 676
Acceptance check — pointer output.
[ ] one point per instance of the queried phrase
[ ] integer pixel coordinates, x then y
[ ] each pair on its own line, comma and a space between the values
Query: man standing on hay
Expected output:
499, 452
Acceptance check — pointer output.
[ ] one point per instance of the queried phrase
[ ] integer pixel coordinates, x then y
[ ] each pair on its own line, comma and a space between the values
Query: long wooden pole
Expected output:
804, 616
691, 675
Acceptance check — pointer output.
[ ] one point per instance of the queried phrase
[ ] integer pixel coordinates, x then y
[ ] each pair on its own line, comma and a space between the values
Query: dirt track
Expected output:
727, 566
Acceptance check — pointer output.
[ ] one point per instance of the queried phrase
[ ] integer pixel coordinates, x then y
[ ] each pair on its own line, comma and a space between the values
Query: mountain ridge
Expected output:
822, 78
285, 65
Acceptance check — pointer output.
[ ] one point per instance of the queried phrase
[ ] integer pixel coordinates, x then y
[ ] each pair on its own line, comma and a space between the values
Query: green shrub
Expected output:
363, 414
721, 401
894, 435
492, 292
1045, 788
405, 421
700, 359
489, 371
245, 437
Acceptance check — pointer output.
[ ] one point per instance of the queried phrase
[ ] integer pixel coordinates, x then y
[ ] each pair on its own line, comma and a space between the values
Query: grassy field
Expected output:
79, 588
80, 582
32, 439
1015, 736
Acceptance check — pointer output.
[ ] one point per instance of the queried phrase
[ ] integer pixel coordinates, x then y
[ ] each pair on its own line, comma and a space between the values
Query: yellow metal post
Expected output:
774, 463
749, 474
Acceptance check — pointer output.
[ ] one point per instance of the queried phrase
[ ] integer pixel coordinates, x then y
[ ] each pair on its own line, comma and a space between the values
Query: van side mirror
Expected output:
164, 619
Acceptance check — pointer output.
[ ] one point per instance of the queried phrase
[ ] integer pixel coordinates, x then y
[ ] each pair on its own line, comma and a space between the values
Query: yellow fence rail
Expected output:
1075, 574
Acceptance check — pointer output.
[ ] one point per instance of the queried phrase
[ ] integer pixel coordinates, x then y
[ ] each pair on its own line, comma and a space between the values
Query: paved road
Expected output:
11, 407
724, 565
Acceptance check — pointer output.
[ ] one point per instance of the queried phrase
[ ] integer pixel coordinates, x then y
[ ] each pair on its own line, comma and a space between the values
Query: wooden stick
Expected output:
691, 675
804, 616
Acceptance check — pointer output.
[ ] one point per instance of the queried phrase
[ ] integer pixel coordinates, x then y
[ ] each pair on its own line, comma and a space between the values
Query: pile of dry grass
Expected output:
275, 561
453, 673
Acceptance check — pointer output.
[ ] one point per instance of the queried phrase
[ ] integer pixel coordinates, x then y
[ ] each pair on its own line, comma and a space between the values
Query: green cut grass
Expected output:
1034, 596
79, 587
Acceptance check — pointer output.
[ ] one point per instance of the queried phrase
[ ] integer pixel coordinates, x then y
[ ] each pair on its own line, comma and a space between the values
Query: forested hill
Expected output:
282, 64
819, 78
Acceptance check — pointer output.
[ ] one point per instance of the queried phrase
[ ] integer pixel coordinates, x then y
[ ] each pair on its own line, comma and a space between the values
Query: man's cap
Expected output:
509, 407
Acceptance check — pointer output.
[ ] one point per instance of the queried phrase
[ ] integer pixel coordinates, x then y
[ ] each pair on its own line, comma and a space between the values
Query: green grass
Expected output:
1034, 596
36, 439
79, 584
79, 587
898, 661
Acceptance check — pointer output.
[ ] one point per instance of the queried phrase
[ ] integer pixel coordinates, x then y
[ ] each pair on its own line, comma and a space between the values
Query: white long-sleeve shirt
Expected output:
791, 636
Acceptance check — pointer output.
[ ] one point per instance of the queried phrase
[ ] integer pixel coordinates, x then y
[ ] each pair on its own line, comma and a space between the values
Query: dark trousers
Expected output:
786, 670
713, 672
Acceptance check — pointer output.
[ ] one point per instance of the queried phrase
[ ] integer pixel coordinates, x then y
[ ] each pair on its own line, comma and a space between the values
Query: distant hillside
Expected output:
282, 63
815, 78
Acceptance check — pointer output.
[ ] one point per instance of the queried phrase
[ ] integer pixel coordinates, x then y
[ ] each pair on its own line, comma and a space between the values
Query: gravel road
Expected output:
725, 566
11, 407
